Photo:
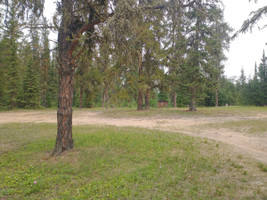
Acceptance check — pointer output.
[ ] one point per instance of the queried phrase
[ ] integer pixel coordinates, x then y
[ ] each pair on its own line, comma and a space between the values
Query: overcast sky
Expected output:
246, 49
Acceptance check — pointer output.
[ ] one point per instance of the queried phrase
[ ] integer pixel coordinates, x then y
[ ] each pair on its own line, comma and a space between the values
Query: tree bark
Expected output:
193, 103
216, 98
140, 99
174, 100
64, 139
147, 97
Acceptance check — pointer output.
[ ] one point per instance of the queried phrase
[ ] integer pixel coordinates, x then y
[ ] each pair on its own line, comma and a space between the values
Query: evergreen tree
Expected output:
52, 84
10, 39
262, 73
217, 43
241, 88
195, 72
253, 95
31, 87
175, 47
3, 76
163, 96
228, 92
44, 66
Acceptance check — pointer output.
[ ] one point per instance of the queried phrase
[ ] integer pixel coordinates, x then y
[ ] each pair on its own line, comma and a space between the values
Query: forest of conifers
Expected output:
132, 60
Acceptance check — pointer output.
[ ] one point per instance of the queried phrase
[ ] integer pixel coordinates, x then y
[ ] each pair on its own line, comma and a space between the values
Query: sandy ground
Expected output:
254, 146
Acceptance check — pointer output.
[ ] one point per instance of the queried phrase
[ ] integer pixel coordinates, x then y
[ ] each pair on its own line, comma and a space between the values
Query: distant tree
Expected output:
241, 88
163, 96
3, 76
195, 73
52, 84
153, 73
45, 62
175, 43
216, 46
31, 87
262, 74
10, 38
228, 92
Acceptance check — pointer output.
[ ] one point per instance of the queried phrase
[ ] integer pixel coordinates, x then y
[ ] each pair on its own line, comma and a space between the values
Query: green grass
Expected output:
121, 163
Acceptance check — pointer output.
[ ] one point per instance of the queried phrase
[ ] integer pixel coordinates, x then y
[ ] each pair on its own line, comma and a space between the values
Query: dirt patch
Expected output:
253, 146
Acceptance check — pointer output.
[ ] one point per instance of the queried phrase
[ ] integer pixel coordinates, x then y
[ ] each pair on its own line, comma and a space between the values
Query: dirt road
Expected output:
254, 146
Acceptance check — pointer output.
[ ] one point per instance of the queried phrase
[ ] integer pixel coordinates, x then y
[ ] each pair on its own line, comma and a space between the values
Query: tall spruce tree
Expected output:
10, 38
216, 45
241, 87
201, 18
175, 47
44, 65
52, 84
262, 73
31, 87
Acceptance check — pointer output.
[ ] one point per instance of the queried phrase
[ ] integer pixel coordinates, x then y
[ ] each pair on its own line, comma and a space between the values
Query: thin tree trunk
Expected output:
81, 97
216, 98
147, 97
103, 99
106, 97
140, 99
193, 103
174, 100
140, 92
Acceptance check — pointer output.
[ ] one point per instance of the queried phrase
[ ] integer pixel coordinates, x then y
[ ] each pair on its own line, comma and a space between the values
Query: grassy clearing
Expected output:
248, 126
231, 111
122, 163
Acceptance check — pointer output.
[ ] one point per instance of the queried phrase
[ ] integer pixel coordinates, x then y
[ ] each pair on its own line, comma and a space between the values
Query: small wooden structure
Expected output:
162, 103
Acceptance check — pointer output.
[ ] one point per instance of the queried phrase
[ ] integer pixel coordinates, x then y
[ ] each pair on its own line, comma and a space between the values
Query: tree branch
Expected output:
249, 23
77, 56
81, 31
169, 3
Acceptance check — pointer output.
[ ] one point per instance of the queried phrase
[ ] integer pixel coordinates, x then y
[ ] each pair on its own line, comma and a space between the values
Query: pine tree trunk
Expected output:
64, 139
193, 103
216, 99
147, 97
174, 100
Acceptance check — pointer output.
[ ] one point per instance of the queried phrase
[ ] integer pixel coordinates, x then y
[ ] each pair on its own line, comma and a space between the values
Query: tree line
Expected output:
177, 51
253, 90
